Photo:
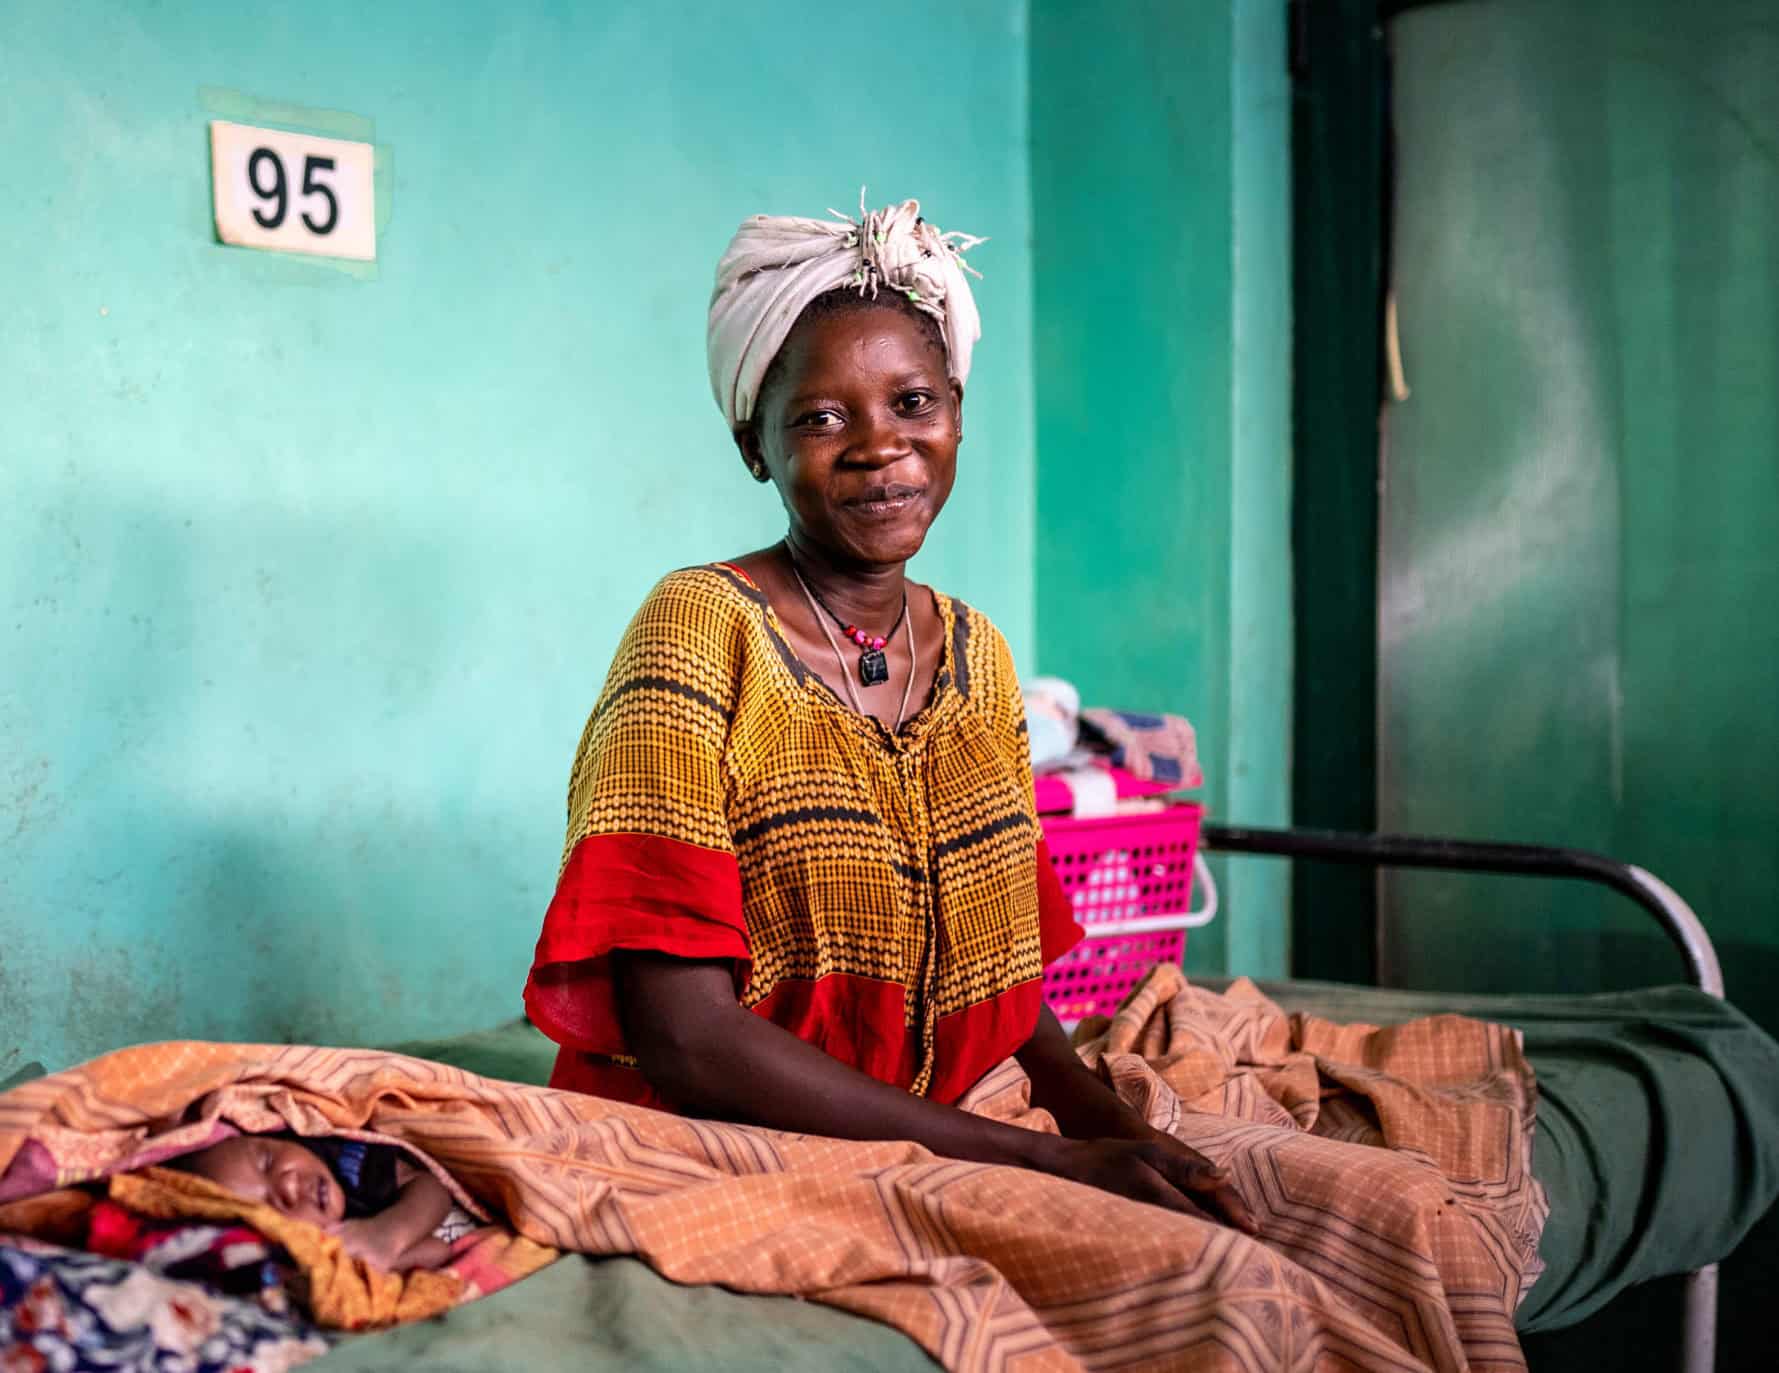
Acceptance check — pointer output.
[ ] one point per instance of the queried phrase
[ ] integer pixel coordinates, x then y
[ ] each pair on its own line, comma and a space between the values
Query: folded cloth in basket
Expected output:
1062, 736
1157, 748
1056, 793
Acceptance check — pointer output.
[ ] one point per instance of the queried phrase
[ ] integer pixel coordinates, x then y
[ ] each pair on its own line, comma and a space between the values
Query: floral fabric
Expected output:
234, 1259
70, 1311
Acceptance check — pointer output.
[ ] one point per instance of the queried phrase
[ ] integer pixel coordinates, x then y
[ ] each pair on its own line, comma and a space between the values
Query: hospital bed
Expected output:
1657, 1140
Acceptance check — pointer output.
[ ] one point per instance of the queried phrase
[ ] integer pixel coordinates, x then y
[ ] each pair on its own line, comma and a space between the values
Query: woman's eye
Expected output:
916, 400
818, 419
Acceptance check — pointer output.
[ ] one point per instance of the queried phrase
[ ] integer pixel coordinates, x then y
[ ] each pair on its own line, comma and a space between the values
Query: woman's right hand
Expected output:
1142, 1170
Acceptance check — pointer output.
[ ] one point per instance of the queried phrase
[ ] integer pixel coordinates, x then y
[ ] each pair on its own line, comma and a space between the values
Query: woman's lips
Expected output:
879, 502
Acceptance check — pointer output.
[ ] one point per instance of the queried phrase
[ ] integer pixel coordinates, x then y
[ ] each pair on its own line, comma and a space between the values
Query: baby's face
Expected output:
276, 1173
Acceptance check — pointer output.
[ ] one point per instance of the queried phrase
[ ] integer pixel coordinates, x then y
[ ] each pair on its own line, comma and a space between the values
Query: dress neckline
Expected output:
917, 726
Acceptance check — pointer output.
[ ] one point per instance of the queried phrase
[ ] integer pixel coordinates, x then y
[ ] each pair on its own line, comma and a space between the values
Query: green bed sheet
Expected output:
1658, 1141
1658, 1127
608, 1314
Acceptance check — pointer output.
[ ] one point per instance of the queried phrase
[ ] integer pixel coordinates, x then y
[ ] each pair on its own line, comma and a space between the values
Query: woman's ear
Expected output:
957, 408
747, 439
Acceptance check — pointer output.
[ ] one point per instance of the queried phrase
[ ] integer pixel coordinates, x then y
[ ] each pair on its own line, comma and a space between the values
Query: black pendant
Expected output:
873, 667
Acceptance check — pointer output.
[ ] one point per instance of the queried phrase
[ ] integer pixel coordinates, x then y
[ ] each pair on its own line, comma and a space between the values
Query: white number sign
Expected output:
293, 192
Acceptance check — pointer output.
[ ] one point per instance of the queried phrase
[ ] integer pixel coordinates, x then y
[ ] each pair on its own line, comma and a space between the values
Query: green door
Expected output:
1579, 529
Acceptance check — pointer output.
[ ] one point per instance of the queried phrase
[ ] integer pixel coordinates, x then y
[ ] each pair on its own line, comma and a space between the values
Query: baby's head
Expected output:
279, 1173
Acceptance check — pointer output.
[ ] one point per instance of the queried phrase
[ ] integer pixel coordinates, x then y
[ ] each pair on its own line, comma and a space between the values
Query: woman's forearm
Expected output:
1083, 1106
711, 1057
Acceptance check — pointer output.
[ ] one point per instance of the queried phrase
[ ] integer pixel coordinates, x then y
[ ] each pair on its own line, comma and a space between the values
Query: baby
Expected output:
383, 1208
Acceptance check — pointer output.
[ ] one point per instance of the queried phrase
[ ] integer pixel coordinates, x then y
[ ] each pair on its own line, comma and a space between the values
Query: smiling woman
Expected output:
803, 884
858, 427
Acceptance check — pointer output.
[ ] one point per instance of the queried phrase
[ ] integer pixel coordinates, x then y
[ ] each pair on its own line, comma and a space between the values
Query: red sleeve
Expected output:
628, 891
1058, 930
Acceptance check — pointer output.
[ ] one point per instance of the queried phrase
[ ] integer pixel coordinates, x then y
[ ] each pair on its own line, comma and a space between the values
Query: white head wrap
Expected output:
776, 264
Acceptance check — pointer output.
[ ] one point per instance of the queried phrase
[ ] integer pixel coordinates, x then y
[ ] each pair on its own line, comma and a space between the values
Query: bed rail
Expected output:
1698, 1350
1465, 855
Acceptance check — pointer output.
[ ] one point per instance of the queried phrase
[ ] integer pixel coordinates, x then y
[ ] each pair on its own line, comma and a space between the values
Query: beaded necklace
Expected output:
873, 666
873, 648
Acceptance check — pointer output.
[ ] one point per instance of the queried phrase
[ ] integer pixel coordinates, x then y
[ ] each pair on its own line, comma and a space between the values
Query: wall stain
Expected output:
29, 802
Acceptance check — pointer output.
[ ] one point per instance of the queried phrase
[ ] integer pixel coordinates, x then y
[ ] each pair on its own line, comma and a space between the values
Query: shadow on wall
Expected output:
257, 774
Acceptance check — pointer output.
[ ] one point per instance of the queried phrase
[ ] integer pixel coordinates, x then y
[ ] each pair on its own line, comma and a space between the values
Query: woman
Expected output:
804, 885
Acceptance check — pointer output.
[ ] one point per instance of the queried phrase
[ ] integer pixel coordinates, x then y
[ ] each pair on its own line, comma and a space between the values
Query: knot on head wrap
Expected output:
776, 264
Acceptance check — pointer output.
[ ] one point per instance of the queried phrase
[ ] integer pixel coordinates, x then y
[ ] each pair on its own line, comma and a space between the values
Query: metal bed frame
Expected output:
1698, 1351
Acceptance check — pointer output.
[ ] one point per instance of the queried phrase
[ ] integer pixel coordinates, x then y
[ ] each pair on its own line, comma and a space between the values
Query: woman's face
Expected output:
859, 431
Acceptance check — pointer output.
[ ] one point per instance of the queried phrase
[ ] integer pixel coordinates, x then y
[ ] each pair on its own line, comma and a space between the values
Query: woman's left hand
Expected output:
1085, 1107
1208, 1184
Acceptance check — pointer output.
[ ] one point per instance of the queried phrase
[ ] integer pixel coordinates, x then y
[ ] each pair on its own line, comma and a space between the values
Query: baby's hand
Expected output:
431, 1252
376, 1245
365, 1239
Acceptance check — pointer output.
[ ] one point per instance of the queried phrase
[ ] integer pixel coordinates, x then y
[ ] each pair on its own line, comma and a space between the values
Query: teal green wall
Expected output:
307, 579
1580, 641
1260, 631
1161, 328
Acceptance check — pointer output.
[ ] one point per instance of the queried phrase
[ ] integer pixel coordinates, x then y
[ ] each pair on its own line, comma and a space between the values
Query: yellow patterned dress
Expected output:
885, 897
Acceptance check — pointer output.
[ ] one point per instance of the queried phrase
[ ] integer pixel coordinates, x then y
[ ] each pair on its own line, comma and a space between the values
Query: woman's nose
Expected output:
883, 442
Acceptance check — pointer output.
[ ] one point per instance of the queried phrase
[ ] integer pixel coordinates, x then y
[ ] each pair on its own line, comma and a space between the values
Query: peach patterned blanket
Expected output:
1389, 1169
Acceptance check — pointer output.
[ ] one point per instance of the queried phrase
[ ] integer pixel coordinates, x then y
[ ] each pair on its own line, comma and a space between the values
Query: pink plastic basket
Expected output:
1129, 878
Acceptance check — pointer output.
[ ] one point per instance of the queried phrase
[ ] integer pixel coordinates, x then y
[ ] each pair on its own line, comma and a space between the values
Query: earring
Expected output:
758, 468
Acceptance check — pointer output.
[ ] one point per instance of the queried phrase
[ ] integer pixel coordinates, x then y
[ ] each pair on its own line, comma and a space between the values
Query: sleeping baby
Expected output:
385, 1210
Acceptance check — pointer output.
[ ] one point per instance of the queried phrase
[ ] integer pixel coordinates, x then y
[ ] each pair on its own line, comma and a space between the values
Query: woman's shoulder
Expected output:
695, 615
700, 598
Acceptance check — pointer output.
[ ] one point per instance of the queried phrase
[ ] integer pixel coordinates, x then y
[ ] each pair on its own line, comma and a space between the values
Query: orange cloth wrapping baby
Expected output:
340, 1292
1408, 1256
